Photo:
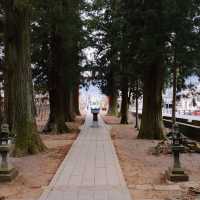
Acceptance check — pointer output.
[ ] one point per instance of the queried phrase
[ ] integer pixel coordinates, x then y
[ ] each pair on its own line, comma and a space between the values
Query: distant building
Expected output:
188, 101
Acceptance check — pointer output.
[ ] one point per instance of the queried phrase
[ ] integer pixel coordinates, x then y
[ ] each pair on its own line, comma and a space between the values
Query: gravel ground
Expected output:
144, 172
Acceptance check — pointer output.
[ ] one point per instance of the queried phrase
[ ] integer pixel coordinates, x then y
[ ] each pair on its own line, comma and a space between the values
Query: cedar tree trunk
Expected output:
112, 105
69, 107
174, 95
124, 103
17, 52
56, 84
112, 110
152, 122
76, 100
72, 107
136, 102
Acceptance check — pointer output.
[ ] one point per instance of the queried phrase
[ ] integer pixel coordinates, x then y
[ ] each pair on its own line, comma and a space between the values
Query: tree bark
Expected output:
50, 126
1, 108
112, 105
124, 103
174, 95
76, 100
56, 84
136, 102
152, 122
69, 106
72, 107
112, 110
8, 97
20, 93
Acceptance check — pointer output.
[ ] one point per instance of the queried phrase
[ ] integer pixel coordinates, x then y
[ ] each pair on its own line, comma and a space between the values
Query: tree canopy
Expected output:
139, 48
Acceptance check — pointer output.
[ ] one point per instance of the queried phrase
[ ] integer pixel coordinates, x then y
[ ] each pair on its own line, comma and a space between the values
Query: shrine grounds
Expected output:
36, 171
143, 171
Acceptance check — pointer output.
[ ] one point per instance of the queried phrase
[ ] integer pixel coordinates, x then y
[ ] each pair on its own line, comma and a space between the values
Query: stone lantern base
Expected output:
177, 175
8, 174
95, 125
95, 117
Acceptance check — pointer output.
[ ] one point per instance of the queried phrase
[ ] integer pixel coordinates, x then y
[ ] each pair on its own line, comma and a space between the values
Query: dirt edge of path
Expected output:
37, 171
145, 173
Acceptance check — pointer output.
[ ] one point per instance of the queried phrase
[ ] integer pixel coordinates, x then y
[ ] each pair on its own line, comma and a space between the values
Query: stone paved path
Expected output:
91, 169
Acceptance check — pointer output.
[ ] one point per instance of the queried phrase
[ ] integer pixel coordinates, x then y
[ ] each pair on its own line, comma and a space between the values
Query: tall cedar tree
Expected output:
19, 78
63, 70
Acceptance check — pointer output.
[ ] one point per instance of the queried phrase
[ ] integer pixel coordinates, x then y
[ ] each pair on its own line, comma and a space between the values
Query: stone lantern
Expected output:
95, 113
177, 173
7, 171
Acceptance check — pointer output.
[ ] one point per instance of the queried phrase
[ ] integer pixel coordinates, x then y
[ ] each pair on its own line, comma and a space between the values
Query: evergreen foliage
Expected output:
140, 46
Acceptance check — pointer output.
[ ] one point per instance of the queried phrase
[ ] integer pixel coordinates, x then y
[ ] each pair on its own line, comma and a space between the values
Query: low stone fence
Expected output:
189, 129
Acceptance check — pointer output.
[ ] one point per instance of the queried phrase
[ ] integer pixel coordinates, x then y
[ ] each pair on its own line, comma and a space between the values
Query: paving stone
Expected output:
101, 176
91, 170
101, 195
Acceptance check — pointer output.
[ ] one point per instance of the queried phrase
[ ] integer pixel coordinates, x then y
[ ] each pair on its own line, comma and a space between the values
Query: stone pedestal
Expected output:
95, 117
95, 125
7, 172
177, 175
95, 120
